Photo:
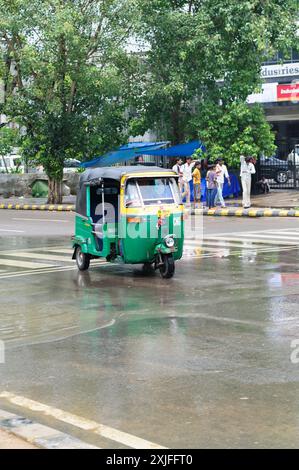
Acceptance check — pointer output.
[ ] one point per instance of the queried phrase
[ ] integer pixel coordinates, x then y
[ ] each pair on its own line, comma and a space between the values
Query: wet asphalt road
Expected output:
200, 361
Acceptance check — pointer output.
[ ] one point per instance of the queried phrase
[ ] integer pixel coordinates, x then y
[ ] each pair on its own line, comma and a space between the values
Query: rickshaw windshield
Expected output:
151, 191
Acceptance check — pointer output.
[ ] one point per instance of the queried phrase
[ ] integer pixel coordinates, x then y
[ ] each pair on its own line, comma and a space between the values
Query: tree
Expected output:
8, 140
204, 54
62, 67
237, 129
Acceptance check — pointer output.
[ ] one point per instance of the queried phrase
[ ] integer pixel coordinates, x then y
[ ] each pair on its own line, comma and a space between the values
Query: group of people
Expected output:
215, 175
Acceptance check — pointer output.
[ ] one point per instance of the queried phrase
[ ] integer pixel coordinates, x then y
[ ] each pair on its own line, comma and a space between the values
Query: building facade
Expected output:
280, 100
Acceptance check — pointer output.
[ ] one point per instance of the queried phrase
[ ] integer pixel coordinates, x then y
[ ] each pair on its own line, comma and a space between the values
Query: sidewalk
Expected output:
276, 199
277, 203
8, 441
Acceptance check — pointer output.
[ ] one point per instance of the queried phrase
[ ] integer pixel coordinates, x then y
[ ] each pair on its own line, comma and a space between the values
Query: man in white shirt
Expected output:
247, 169
221, 172
187, 178
178, 169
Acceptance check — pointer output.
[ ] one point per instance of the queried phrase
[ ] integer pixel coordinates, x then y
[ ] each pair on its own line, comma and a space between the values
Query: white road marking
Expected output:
43, 220
107, 432
252, 240
68, 251
270, 236
284, 233
31, 255
12, 231
244, 251
52, 269
20, 250
23, 264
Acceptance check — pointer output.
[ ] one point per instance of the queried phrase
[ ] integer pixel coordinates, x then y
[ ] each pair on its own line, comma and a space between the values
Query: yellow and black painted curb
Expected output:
39, 207
228, 212
254, 212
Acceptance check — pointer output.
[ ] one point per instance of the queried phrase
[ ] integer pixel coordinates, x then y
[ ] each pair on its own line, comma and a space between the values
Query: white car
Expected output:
71, 165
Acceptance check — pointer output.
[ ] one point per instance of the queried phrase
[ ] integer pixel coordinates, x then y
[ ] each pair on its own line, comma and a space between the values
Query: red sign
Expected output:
288, 92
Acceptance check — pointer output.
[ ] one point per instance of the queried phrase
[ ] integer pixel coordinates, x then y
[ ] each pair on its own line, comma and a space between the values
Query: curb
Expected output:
39, 435
246, 212
39, 207
228, 212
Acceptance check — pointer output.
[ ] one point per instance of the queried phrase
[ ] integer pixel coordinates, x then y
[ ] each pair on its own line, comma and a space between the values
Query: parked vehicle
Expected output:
274, 168
71, 165
131, 214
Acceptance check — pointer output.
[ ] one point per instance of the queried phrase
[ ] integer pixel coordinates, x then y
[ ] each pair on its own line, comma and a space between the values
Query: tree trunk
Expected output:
55, 191
4, 161
176, 130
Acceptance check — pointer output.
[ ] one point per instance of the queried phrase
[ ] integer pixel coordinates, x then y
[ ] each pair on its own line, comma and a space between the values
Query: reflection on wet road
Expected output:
202, 360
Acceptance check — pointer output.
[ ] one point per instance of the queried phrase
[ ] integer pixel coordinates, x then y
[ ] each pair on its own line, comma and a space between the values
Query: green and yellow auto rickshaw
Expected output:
131, 214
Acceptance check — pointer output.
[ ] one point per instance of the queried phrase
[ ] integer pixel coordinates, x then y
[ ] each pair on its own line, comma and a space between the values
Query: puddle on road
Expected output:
56, 306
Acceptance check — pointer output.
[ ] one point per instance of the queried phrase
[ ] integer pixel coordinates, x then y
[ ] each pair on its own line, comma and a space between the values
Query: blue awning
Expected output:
124, 153
181, 150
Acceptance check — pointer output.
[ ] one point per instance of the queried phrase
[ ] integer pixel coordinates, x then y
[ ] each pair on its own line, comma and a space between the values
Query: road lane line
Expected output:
244, 252
269, 236
23, 264
52, 269
13, 231
107, 432
252, 240
33, 255
20, 250
286, 233
59, 250
43, 220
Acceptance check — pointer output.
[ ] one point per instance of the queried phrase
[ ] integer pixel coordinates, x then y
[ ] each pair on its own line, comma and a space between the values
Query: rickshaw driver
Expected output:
155, 190
132, 198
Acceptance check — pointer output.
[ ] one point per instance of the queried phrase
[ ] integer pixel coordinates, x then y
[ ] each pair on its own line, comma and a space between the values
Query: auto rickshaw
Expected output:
131, 214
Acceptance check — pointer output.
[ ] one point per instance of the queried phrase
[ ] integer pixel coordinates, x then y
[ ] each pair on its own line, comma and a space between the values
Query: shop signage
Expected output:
277, 70
288, 92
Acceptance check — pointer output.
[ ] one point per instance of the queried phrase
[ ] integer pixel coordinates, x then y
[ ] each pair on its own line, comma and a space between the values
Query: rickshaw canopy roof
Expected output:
117, 172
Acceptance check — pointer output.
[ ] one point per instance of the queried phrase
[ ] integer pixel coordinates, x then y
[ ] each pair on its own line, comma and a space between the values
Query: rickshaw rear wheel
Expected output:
168, 267
82, 259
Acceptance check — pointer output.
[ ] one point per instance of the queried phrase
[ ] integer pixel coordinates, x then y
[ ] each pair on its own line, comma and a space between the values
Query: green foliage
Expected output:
235, 130
8, 140
206, 55
63, 64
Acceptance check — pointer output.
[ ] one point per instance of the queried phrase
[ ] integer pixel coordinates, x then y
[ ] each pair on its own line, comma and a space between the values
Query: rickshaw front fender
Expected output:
163, 249
79, 241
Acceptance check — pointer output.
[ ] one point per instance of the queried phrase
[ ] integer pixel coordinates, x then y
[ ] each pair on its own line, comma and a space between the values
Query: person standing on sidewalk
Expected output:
221, 172
196, 175
211, 179
247, 169
178, 169
187, 178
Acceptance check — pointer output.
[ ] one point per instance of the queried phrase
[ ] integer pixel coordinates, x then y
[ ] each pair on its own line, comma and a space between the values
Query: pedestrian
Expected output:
211, 180
221, 171
177, 167
196, 175
263, 185
247, 169
204, 166
187, 178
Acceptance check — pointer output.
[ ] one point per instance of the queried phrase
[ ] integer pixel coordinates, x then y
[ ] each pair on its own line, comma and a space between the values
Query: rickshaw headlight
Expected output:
169, 242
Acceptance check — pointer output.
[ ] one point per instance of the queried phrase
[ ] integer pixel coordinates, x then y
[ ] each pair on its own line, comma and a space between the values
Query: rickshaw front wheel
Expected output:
82, 259
167, 269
